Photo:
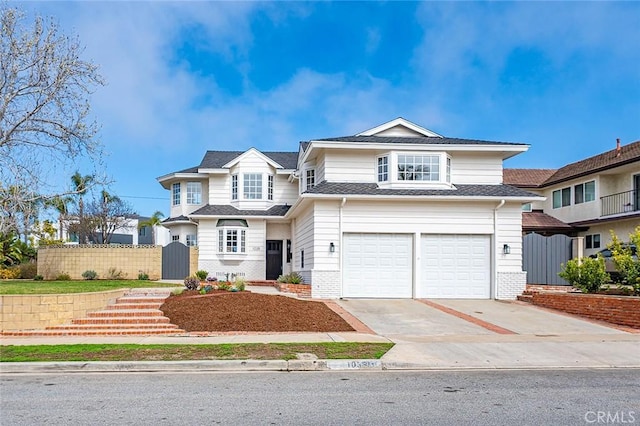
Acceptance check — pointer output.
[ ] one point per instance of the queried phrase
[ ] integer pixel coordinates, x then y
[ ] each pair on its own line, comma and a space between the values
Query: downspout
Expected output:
340, 254
494, 257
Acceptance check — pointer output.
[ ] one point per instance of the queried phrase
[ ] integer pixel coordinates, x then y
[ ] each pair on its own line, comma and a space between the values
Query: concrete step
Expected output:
141, 299
526, 298
126, 313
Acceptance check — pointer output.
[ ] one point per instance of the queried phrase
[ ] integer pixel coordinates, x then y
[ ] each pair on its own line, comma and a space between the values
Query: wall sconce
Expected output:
332, 248
506, 249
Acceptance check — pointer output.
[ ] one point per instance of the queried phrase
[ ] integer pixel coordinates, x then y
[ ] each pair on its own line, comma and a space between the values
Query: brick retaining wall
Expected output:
622, 310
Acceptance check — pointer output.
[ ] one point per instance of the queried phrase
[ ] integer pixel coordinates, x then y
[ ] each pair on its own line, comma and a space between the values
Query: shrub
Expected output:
191, 282
38, 278
115, 274
224, 285
240, 284
177, 291
90, 275
63, 277
143, 276
292, 278
9, 273
623, 259
587, 274
202, 275
28, 270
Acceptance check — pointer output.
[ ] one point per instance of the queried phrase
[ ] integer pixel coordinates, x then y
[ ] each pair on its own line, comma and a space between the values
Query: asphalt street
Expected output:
523, 397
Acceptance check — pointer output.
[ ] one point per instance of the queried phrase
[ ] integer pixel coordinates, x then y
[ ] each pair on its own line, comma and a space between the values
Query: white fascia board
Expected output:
285, 171
208, 216
166, 179
418, 197
399, 122
247, 152
214, 171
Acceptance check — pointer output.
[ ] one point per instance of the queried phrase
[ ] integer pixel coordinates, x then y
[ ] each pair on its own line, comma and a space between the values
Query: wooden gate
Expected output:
542, 258
175, 261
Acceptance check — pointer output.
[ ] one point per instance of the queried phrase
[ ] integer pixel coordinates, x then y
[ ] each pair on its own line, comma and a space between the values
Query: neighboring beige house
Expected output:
588, 198
395, 211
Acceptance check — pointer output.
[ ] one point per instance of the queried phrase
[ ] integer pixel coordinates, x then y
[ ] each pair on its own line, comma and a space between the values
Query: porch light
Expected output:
332, 248
506, 249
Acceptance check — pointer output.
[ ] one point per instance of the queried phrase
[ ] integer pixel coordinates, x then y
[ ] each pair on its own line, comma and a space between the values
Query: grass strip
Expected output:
178, 352
75, 286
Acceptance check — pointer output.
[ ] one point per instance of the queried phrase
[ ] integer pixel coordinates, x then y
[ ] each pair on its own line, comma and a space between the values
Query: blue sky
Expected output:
185, 77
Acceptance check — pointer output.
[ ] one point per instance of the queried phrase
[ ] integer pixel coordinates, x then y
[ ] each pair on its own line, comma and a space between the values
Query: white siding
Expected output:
303, 240
252, 265
350, 166
477, 169
509, 231
325, 232
219, 189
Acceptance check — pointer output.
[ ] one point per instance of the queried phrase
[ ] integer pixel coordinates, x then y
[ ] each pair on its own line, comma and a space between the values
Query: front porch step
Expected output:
94, 333
126, 313
155, 326
123, 320
528, 298
125, 306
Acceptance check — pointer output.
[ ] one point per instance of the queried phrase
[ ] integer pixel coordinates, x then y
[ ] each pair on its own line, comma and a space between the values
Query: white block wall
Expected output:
510, 285
325, 284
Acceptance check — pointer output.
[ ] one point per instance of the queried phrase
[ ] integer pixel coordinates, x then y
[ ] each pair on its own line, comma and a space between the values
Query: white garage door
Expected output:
455, 267
378, 265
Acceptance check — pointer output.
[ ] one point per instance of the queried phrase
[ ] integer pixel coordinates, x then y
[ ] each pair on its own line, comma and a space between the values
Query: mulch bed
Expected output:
223, 311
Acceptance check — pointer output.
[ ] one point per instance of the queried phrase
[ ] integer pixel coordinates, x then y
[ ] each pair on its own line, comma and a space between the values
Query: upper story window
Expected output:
192, 240
561, 198
252, 186
383, 169
175, 190
419, 167
270, 187
310, 178
194, 193
234, 187
448, 170
584, 192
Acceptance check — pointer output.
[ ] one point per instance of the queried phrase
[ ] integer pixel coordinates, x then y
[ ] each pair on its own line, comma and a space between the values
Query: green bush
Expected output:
586, 274
177, 291
240, 284
143, 276
292, 278
202, 275
28, 270
191, 282
38, 278
224, 285
63, 277
90, 275
623, 259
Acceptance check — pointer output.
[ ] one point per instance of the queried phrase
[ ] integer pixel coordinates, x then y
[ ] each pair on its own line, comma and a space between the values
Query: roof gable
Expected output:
399, 128
225, 159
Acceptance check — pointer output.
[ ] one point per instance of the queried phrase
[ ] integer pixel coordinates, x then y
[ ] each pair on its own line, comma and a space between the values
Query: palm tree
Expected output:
81, 185
152, 222
61, 205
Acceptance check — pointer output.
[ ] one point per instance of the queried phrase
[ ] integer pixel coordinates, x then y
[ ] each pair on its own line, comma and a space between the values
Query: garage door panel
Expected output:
455, 266
383, 267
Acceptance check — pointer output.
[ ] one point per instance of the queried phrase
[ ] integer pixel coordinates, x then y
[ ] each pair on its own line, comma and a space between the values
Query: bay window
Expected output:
194, 193
175, 191
252, 186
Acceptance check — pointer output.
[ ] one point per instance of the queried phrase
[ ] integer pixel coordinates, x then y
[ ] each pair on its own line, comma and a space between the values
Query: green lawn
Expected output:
80, 286
176, 352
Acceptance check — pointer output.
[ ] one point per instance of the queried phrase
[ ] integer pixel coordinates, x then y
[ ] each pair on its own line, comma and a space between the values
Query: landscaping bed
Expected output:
222, 311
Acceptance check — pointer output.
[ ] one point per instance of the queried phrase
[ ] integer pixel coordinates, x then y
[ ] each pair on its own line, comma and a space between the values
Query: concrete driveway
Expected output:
435, 334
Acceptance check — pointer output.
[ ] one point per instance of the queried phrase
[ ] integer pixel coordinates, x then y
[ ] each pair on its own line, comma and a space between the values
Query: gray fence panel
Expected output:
542, 258
175, 261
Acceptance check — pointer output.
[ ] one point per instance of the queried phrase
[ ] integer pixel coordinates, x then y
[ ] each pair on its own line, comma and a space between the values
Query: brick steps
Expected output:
135, 314
526, 296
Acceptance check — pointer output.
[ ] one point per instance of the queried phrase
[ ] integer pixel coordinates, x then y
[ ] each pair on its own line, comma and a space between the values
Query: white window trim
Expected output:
191, 194
261, 186
309, 182
175, 193
378, 173
223, 240
270, 186
444, 171
192, 240
234, 187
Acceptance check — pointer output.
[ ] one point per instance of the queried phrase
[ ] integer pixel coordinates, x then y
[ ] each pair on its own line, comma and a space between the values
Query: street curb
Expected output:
208, 365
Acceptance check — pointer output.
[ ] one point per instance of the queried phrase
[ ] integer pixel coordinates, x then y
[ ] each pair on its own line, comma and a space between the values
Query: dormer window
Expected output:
419, 167
252, 186
413, 169
383, 168
310, 178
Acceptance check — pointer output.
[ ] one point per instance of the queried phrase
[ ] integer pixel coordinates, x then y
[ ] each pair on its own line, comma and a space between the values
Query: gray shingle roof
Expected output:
176, 219
227, 210
415, 140
217, 159
349, 188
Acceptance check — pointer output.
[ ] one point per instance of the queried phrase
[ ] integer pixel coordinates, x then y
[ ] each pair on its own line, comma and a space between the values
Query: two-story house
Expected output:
395, 211
588, 198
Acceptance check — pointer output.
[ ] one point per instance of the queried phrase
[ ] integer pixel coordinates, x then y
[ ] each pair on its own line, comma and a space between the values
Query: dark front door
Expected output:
274, 259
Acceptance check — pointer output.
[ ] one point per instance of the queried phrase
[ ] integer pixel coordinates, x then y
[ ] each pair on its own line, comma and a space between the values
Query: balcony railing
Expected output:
623, 202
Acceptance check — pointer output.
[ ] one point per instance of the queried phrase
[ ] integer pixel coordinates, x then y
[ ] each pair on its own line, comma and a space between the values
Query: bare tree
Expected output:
45, 126
102, 217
